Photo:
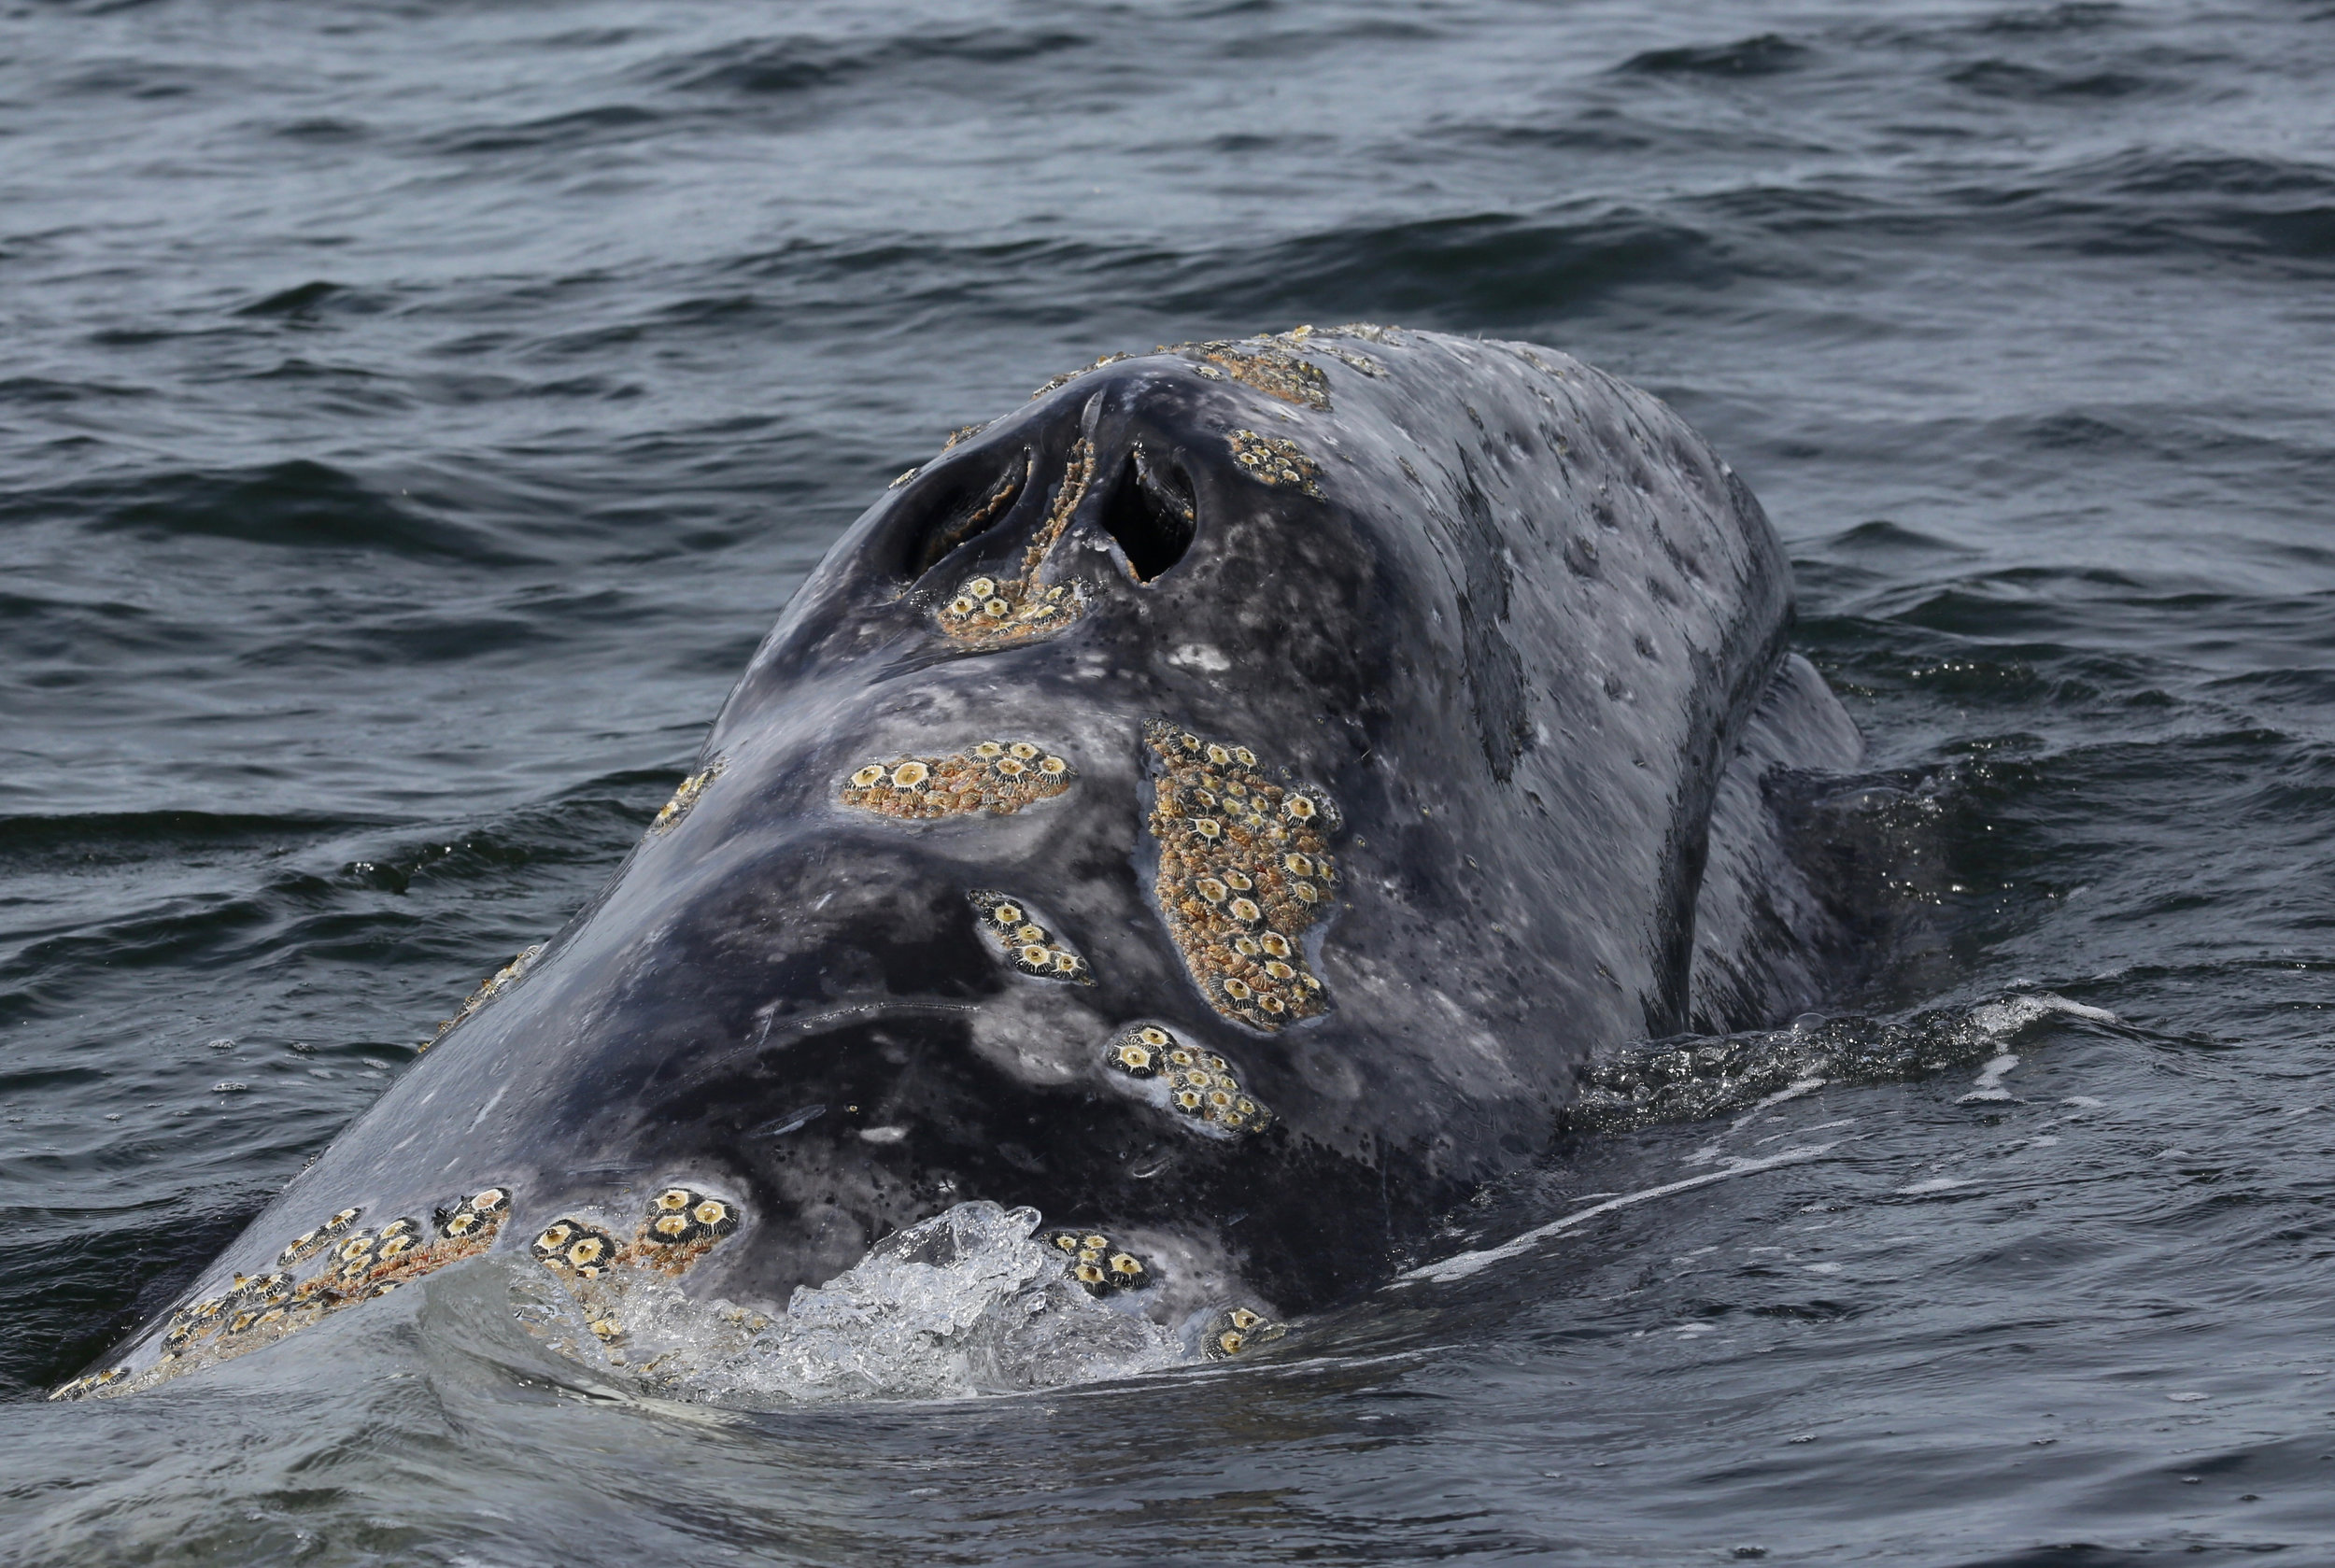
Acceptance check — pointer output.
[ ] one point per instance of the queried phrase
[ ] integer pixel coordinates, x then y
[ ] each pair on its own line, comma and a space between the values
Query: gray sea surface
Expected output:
413, 413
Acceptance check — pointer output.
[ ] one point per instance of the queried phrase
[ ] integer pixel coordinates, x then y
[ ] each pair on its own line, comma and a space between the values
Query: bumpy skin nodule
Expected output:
1511, 618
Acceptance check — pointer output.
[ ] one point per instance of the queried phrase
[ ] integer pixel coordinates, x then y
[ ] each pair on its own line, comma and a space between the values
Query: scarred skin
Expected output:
1508, 619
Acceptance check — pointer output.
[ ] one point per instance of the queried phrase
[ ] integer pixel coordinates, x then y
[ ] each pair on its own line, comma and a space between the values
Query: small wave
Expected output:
1460, 1265
580, 128
299, 504
2010, 78
1765, 55
305, 301
803, 62
1481, 268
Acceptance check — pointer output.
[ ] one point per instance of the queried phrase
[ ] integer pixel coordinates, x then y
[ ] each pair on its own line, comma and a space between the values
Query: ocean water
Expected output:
412, 415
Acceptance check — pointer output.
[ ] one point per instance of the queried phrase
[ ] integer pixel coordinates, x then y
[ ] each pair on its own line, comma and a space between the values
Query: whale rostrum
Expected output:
1223, 806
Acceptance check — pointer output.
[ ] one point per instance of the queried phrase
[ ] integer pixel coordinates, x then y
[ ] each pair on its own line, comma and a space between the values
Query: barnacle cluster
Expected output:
1266, 363
1024, 943
998, 777
1277, 461
1099, 1263
1244, 871
1316, 341
354, 1264
686, 796
995, 612
604, 1274
1237, 1329
1069, 375
1199, 1083
991, 612
680, 1225
490, 988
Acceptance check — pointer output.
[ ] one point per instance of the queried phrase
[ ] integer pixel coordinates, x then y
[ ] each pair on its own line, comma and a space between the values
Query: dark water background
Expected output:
412, 414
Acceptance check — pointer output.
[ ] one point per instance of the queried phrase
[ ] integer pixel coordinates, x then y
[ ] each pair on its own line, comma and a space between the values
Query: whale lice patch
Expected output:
993, 611
999, 777
1099, 1264
1277, 461
1197, 1083
1026, 944
1244, 871
352, 1264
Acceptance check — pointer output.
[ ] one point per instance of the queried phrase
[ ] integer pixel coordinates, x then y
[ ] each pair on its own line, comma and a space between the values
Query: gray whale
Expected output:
1224, 804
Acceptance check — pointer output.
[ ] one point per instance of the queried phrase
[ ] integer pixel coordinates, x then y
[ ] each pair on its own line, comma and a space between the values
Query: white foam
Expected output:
1989, 1080
2013, 1014
1461, 1265
1788, 1092
965, 1303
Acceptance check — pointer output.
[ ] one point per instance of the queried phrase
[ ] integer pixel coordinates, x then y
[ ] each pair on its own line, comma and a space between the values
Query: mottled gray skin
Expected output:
1530, 637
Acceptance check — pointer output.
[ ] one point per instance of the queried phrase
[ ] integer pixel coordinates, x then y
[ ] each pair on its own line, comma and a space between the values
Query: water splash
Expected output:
963, 1304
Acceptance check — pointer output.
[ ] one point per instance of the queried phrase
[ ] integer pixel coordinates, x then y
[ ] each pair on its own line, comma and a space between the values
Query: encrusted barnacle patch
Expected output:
686, 795
490, 988
1026, 944
1237, 1329
994, 612
1069, 375
309, 1243
964, 434
1197, 1083
1201, 1085
1266, 364
998, 777
681, 1226
351, 1265
1277, 461
81, 1387
1244, 872
481, 1211
1314, 342
1139, 1053
1099, 1263
573, 1247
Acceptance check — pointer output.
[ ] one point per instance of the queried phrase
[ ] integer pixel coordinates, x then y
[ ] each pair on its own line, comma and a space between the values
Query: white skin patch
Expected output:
1200, 655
